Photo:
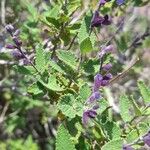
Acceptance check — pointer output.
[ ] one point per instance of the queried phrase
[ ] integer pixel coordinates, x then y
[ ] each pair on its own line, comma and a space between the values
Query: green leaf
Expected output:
145, 91
133, 135
86, 41
56, 67
84, 92
68, 58
112, 129
125, 104
113, 145
34, 89
70, 106
143, 128
52, 84
63, 139
25, 70
136, 107
86, 45
40, 59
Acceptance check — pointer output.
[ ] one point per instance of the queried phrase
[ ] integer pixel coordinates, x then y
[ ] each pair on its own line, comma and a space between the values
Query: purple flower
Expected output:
146, 139
87, 115
95, 96
107, 76
17, 32
102, 2
97, 20
107, 67
95, 107
17, 55
120, 2
9, 28
97, 82
107, 20
105, 49
127, 147
10, 46
17, 41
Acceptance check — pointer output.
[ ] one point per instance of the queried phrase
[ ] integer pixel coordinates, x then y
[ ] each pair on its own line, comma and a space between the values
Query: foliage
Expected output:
61, 87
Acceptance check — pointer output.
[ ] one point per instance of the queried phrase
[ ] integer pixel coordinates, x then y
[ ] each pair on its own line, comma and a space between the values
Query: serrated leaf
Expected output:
143, 128
136, 107
68, 58
84, 92
52, 84
113, 130
40, 59
125, 105
63, 139
56, 67
133, 135
34, 89
86, 41
86, 45
70, 106
113, 145
145, 91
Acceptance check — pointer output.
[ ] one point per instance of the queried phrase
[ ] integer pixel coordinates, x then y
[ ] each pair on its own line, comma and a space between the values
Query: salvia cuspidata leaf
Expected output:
84, 92
70, 106
132, 136
124, 105
52, 84
145, 91
63, 139
115, 144
68, 58
86, 41
40, 59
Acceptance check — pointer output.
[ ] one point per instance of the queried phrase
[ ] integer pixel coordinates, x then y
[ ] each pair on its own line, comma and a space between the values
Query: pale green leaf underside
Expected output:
113, 145
68, 58
63, 139
145, 91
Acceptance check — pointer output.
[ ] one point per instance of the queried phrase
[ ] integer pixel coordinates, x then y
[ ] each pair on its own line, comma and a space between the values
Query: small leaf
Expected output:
68, 58
113, 145
86, 45
70, 106
63, 139
145, 91
125, 104
136, 107
56, 67
84, 92
34, 89
52, 84
40, 59
133, 135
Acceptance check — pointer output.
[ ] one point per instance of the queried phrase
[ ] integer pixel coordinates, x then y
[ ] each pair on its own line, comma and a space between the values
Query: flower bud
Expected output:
17, 55
95, 96
95, 107
107, 76
92, 113
17, 32
107, 20
107, 67
97, 82
120, 2
97, 20
9, 28
10, 46
105, 49
17, 41
102, 2
105, 82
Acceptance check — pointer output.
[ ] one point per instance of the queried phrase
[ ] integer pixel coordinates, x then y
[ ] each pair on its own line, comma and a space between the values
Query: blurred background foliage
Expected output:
28, 116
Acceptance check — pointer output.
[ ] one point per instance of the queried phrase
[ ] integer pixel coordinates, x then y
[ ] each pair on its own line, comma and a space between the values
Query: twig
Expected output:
3, 2
2, 116
72, 41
